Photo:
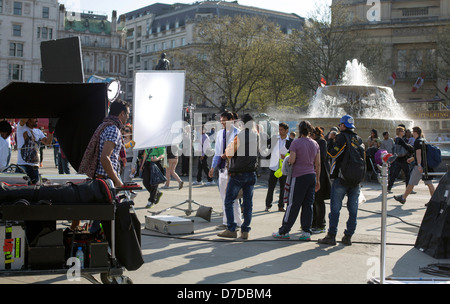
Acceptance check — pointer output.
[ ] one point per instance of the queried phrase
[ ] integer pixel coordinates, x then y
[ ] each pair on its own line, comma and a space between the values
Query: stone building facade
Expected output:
160, 28
408, 31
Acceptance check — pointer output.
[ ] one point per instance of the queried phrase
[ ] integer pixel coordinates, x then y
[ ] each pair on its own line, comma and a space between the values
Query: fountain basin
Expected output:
363, 125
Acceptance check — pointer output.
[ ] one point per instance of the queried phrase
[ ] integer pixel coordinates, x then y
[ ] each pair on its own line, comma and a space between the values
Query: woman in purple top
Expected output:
305, 181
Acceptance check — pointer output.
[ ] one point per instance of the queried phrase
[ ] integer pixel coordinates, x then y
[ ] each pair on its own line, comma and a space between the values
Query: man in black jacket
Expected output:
243, 156
402, 149
336, 149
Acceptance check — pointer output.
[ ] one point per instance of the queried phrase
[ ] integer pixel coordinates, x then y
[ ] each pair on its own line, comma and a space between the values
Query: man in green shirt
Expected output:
154, 155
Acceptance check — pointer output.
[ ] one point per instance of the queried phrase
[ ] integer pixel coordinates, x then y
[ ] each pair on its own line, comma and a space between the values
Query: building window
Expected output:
45, 12
147, 25
139, 32
15, 71
130, 60
446, 124
16, 49
44, 33
17, 30
87, 64
102, 66
415, 11
412, 62
18, 8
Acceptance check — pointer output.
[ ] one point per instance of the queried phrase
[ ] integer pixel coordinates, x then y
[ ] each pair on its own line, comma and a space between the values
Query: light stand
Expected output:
203, 212
384, 185
387, 161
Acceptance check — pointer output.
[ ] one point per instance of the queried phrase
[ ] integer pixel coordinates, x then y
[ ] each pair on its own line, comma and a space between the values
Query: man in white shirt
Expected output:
202, 148
26, 131
5, 148
279, 150
223, 139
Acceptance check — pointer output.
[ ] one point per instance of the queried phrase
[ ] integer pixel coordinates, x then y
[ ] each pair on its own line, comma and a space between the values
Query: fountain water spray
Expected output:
372, 106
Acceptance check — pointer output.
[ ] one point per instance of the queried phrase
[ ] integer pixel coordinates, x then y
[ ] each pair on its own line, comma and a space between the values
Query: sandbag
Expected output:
91, 191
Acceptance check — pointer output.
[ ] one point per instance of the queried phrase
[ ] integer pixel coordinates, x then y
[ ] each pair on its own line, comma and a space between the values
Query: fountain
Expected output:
372, 107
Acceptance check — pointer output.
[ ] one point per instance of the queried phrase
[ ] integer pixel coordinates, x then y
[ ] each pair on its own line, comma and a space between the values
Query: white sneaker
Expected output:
305, 236
211, 183
197, 183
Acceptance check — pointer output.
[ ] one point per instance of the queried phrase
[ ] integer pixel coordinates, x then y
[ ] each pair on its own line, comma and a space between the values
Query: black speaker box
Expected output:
434, 233
62, 60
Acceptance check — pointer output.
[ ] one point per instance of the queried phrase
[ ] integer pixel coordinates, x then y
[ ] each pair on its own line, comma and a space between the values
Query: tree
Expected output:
329, 39
443, 58
231, 60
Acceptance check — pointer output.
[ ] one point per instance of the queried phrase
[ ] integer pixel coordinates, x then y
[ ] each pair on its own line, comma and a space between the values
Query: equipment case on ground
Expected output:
169, 224
12, 242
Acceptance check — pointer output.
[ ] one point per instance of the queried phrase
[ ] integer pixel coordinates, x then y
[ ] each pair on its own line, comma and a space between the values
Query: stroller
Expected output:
372, 169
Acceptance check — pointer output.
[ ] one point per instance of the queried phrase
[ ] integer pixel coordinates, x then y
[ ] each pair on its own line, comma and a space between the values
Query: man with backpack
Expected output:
419, 158
28, 144
348, 169
402, 149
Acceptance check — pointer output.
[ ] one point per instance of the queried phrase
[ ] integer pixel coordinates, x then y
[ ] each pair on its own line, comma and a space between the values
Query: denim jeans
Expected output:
338, 192
245, 181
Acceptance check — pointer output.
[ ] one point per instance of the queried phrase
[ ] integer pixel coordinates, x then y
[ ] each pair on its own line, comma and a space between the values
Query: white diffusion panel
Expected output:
158, 108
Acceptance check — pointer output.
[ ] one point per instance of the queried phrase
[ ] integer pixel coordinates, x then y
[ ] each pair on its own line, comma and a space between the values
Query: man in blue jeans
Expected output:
243, 156
336, 150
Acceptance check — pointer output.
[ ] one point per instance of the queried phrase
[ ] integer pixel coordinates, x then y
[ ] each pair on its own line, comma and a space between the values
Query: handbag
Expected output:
30, 150
156, 176
127, 237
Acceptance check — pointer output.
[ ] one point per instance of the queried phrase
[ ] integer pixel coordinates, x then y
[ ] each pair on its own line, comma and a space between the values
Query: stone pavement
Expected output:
204, 258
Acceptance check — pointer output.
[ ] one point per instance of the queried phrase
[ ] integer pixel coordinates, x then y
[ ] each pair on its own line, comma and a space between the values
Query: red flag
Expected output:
418, 83
448, 84
323, 82
392, 78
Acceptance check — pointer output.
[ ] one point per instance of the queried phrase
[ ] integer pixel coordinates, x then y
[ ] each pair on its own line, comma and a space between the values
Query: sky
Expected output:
299, 7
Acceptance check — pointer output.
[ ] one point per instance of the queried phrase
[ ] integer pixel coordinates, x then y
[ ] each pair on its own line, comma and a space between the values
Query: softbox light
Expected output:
158, 108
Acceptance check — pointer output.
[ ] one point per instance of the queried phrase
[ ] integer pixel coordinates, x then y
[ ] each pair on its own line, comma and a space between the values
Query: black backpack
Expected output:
353, 164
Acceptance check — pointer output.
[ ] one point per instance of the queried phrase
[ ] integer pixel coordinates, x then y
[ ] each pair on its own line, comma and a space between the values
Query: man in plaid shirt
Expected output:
111, 143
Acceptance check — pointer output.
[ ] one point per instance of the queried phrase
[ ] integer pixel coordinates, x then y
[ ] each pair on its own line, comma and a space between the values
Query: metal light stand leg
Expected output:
189, 201
384, 184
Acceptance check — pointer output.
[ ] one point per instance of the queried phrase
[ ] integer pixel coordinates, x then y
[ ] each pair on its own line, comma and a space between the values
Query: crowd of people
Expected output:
308, 167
